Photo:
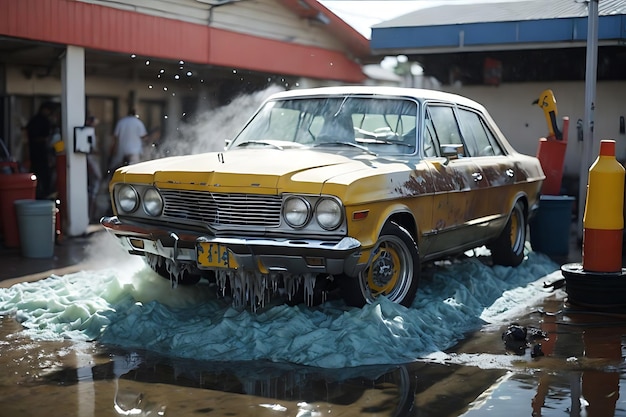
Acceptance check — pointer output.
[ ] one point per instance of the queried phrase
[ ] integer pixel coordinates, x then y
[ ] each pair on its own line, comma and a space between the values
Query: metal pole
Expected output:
590, 103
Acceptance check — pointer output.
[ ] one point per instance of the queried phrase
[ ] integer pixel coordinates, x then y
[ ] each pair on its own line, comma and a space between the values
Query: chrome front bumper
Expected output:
266, 255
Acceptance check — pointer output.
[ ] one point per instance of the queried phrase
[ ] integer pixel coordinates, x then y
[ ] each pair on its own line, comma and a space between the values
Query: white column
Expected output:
173, 111
73, 109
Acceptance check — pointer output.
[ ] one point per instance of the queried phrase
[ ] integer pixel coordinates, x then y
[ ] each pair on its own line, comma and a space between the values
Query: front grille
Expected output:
222, 209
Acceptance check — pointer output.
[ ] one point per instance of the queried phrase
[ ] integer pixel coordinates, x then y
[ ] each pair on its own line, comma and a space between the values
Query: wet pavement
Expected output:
69, 256
578, 371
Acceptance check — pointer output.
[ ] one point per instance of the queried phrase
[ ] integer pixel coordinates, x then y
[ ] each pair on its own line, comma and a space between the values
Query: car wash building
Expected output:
174, 61
505, 54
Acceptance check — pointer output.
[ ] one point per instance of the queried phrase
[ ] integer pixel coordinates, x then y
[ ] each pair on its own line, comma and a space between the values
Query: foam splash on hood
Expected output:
135, 308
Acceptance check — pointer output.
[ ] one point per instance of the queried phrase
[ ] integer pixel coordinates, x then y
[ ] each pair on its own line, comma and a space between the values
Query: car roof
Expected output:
414, 93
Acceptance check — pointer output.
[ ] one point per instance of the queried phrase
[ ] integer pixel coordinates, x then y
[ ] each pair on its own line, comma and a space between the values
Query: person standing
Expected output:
38, 130
128, 137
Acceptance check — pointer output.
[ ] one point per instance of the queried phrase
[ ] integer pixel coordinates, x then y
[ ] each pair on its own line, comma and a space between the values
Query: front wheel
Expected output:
508, 248
392, 271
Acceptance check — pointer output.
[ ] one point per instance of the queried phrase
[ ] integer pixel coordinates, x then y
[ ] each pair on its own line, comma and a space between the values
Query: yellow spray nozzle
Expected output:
547, 102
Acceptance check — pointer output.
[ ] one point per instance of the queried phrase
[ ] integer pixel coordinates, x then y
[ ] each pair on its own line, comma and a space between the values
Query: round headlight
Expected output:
328, 214
152, 202
297, 212
128, 198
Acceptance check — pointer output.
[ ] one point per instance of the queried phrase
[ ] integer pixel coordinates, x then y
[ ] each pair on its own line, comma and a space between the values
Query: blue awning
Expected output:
531, 24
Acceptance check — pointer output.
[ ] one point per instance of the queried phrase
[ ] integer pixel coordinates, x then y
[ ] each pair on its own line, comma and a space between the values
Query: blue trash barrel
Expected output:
550, 227
36, 220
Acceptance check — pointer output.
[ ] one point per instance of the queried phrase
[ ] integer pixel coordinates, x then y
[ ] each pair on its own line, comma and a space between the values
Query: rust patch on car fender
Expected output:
450, 178
417, 184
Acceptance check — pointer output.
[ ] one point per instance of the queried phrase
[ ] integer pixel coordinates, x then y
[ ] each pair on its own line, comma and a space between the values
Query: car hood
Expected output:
270, 170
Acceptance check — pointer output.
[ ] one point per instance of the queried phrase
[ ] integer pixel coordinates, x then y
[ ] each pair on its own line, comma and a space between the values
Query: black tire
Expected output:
393, 270
508, 248
159, 266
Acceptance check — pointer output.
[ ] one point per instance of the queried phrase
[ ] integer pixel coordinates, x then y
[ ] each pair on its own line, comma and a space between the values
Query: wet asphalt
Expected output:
578, 370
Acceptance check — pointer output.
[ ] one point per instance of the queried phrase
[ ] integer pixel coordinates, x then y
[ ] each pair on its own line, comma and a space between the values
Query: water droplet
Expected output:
165, 117
147, 62
162, 71
150, 86
133, 56
176, 77
189, 73
164, 88
181, 62
234, 71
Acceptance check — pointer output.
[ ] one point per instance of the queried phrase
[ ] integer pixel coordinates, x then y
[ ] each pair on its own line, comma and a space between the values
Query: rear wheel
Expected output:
508, 248
393, 270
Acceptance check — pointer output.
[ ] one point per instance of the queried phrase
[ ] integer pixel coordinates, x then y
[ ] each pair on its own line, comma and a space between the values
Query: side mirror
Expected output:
452, 151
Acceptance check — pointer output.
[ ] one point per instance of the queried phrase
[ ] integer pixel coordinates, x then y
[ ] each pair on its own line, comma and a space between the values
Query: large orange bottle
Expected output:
603, 222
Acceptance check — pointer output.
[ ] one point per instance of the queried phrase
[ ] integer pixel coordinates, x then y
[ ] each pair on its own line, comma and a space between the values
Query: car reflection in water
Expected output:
145, 385
582, 373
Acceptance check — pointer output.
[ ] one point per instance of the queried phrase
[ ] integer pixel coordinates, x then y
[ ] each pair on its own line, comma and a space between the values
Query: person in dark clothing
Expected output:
38, 129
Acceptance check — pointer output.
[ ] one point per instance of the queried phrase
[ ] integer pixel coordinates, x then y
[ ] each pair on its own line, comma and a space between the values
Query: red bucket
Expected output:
14, 187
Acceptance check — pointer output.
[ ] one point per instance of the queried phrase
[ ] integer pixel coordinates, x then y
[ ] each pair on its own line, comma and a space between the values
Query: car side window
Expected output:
445, 129
430, 143
479, 139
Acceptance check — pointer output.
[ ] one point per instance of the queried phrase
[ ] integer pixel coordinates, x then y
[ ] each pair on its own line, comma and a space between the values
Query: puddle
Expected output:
105, 342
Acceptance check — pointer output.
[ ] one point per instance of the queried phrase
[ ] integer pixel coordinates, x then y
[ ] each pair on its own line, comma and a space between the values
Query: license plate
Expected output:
214, 255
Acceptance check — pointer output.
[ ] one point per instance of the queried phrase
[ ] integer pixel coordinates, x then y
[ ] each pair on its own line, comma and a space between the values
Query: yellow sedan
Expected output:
346, 188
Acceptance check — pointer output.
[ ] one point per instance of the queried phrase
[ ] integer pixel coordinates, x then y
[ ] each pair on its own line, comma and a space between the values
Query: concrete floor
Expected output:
583, 353
69, 256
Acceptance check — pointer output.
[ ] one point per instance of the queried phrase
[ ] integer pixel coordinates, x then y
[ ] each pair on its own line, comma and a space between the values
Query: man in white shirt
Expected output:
128, 138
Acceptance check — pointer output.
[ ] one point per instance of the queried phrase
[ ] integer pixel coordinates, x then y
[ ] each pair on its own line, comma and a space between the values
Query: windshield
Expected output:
378, 125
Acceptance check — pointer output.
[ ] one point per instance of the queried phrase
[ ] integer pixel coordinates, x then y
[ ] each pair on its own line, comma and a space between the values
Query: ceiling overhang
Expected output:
99, 28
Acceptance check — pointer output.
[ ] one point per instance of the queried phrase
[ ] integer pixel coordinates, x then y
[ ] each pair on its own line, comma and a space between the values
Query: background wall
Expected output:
524, 123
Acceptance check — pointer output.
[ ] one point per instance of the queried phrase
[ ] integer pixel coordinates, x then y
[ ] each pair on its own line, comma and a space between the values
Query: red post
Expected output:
551, 155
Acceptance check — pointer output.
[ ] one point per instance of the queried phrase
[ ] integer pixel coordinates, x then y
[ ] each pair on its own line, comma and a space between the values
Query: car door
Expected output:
498, 169
459, 183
